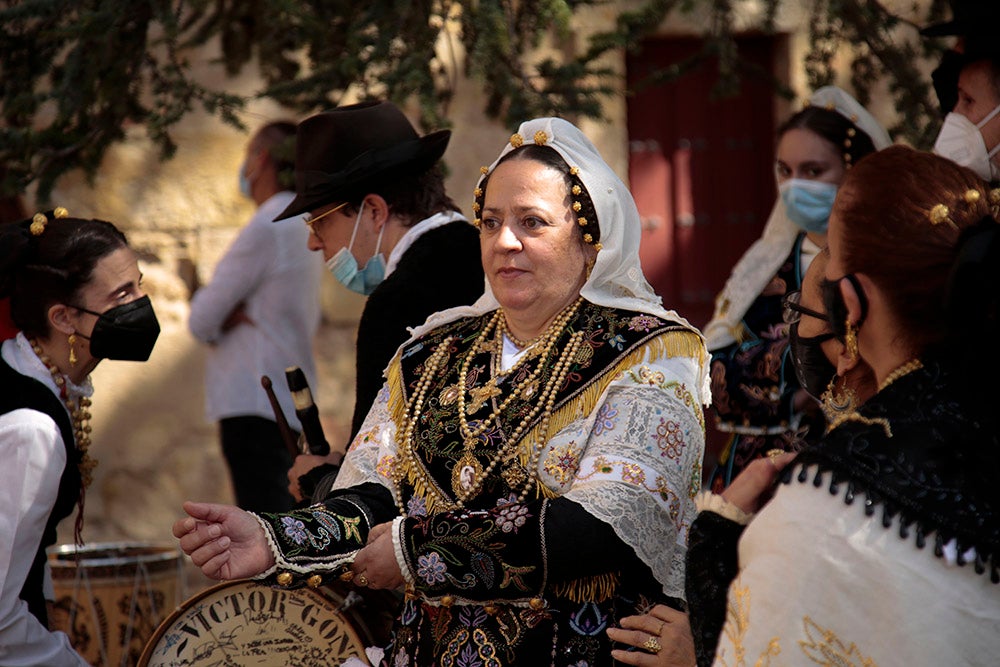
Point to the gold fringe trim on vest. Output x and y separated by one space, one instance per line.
588 589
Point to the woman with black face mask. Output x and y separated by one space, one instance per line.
712 545
75 297
882 543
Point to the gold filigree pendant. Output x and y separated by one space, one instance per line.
482 394
515 475
465 476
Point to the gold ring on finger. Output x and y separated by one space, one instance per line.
362 579
652 646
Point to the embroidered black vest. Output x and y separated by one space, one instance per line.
611 340
21 391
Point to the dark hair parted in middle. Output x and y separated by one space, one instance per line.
586 215
850 141
40 271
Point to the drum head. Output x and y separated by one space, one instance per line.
246 623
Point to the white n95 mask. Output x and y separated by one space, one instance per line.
962 142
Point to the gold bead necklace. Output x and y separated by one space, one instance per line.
509 452
549 338
78 412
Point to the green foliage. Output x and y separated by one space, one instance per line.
76 74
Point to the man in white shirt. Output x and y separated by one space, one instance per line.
258 315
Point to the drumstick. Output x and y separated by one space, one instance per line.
279 416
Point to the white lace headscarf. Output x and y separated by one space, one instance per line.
616 280
763 259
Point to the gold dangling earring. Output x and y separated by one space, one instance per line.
836 402
851 340
72 352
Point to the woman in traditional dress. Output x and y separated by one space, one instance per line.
539 450
882 545
712 545
75 298
756 397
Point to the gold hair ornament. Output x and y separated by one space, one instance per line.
940 213
40 220
516 140
38 223
541 138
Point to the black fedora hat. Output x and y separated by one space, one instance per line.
970 18
342 152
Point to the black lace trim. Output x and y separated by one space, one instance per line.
937 473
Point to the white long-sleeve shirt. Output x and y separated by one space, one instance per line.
33 457
270 270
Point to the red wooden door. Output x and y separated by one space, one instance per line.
701 170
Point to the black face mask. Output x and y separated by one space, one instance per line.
125 333
812 368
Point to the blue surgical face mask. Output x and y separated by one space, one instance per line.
344 267
244 181
808 203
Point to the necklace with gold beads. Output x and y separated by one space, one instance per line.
78 412
467 485
468 474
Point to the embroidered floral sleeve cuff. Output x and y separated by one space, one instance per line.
317 538
477 555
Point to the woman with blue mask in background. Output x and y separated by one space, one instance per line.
755 393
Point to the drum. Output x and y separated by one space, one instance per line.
109 597
247 623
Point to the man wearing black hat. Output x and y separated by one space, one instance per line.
375 201
967 83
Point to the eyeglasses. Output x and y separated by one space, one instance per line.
793 311
310 220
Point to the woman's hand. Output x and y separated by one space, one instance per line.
375 565
303 463
662 626
752 488
224 541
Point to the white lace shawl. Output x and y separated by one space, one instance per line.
634 462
